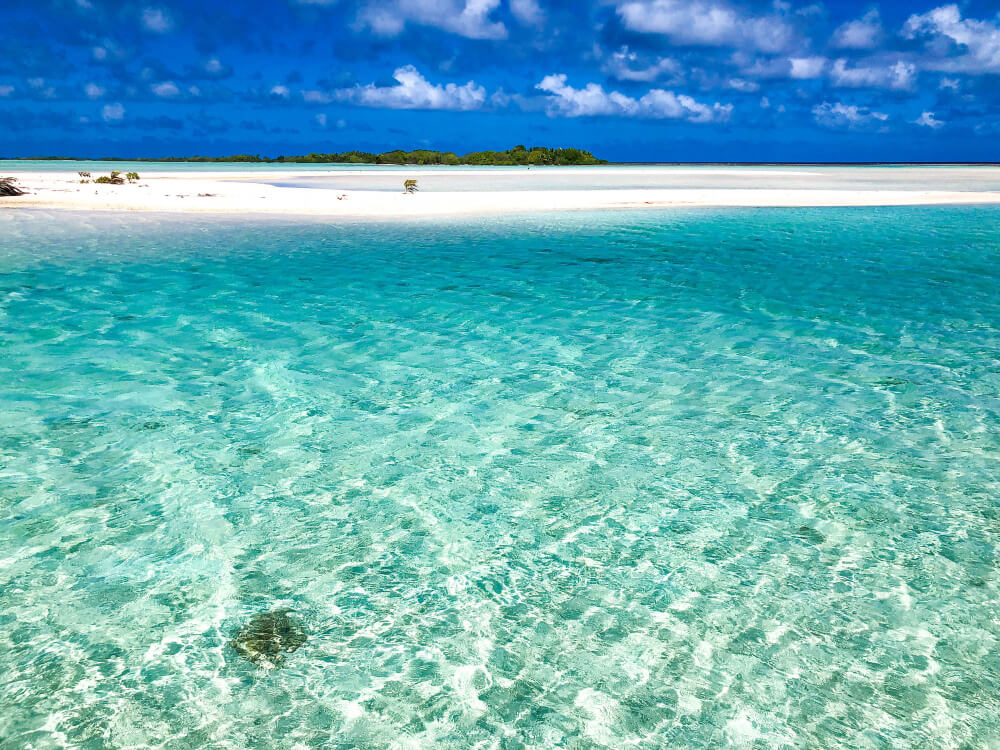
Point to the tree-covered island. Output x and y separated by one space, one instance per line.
517 156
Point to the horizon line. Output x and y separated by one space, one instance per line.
221 159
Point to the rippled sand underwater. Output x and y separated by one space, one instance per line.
670 479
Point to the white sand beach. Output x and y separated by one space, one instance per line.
251 192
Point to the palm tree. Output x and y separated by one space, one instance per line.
7 186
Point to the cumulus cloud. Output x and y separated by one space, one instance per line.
800 68
806 67
6 90
901 76
165 89
93 91
316 97
626 65
706 22
113 113
979 40
468 18
928 120
156 20
862 33
838 115
741 84
413 92
527 12
280 91
566 101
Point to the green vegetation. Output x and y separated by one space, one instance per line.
517 156
114 179
132 177
84 177
410 186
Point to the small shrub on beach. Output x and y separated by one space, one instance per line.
132 176
410 186
115 178
7 186
84 177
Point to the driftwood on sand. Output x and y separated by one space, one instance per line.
7 187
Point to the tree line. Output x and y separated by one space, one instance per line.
517 156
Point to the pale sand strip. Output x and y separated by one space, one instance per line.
235 193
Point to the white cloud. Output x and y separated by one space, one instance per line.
100 53
194 91
6 90
838 115
928 120
36 83
566 101
527 12
799 68
980 40
113 112
862 33
321 120
280 90
156 20
951 84
741 84
806 67
901 76
93 91
166 89
214 66
468 18
626 65
709 22
413 92
314 97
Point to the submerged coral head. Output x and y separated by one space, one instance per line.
268 638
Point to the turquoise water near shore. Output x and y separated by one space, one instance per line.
654 479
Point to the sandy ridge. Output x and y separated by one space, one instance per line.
236 192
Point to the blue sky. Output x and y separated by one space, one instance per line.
632 80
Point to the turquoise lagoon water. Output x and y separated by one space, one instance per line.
670 479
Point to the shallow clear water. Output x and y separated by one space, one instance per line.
679 480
